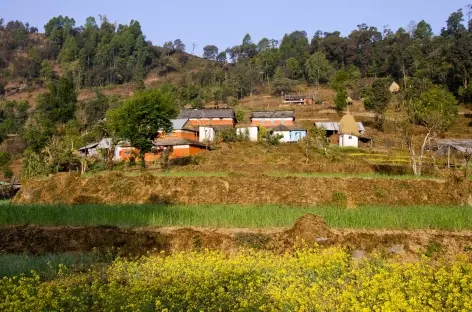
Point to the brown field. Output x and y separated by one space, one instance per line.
117 188
308 230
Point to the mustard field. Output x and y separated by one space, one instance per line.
246 280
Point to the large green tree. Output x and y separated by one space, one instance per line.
435 109
318 69
379 97
59 103
141 116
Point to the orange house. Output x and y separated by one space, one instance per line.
180 129
180 148
272 118
224 118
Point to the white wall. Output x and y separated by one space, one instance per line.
273 121
206 134
286 135
252 131
346 140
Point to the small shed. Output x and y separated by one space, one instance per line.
282 130
289 133
394 87
348 131
298 99
463 147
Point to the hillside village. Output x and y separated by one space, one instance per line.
195 129
325 171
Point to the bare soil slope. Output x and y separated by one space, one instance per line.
116 188
307 231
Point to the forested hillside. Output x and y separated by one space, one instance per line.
68 58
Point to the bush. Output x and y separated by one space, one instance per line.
7 173
4 159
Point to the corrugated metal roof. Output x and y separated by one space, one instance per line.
329 126
460 145
361 127
273 114
334 126
92 145
206 113
179 124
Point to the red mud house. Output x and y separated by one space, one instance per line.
183 139
209 117
272 118
209 121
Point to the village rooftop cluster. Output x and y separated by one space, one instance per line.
194 130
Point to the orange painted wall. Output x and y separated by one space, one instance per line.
176 153
268 123
127 153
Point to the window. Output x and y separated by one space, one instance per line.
350 137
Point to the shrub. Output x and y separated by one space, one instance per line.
339 198
4 158
7 173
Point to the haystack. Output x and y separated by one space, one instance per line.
394 88
348 125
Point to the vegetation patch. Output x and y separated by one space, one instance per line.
238 216
323 279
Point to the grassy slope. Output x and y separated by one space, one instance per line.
371 217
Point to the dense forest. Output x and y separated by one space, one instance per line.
97 54
68 58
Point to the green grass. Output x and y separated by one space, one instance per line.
47 266
369 217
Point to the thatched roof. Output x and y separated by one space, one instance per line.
394 87
348 125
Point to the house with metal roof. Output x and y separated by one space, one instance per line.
289 133
221 118
297 99
346 133
180 147
272 118
181 128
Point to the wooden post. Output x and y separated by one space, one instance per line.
449 157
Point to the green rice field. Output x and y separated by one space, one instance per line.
235 216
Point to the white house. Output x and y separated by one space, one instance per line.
250 131
348 131
206 134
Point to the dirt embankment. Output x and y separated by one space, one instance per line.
116 188
308 230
